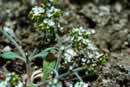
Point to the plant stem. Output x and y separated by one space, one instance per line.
28 70
63 75
78 76
19 48
74 70
60 52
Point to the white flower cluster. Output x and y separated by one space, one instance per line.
7 83
81 35
81 84
80 30
51 12
90 45
69 54
38 10
48 13
89 50
49 22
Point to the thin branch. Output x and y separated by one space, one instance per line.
78 76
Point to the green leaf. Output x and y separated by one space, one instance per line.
43 53
47 66
9 55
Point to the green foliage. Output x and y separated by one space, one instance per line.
102 60
47 68
43 53
12 80
9 55
13 55
80 36
82 49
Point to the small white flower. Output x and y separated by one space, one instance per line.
51 23
56 10
49 14
81 84
93 31
88 61
70 68
86 41
51 0
37 10
7 79
52 9
80 38
69 54
45 21
62 47
55 81
91 46
98 55
68 57
83 60
90 55
48 4
76 30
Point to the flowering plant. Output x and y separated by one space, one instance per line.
46 15
76 53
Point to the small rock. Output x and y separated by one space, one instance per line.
7 48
